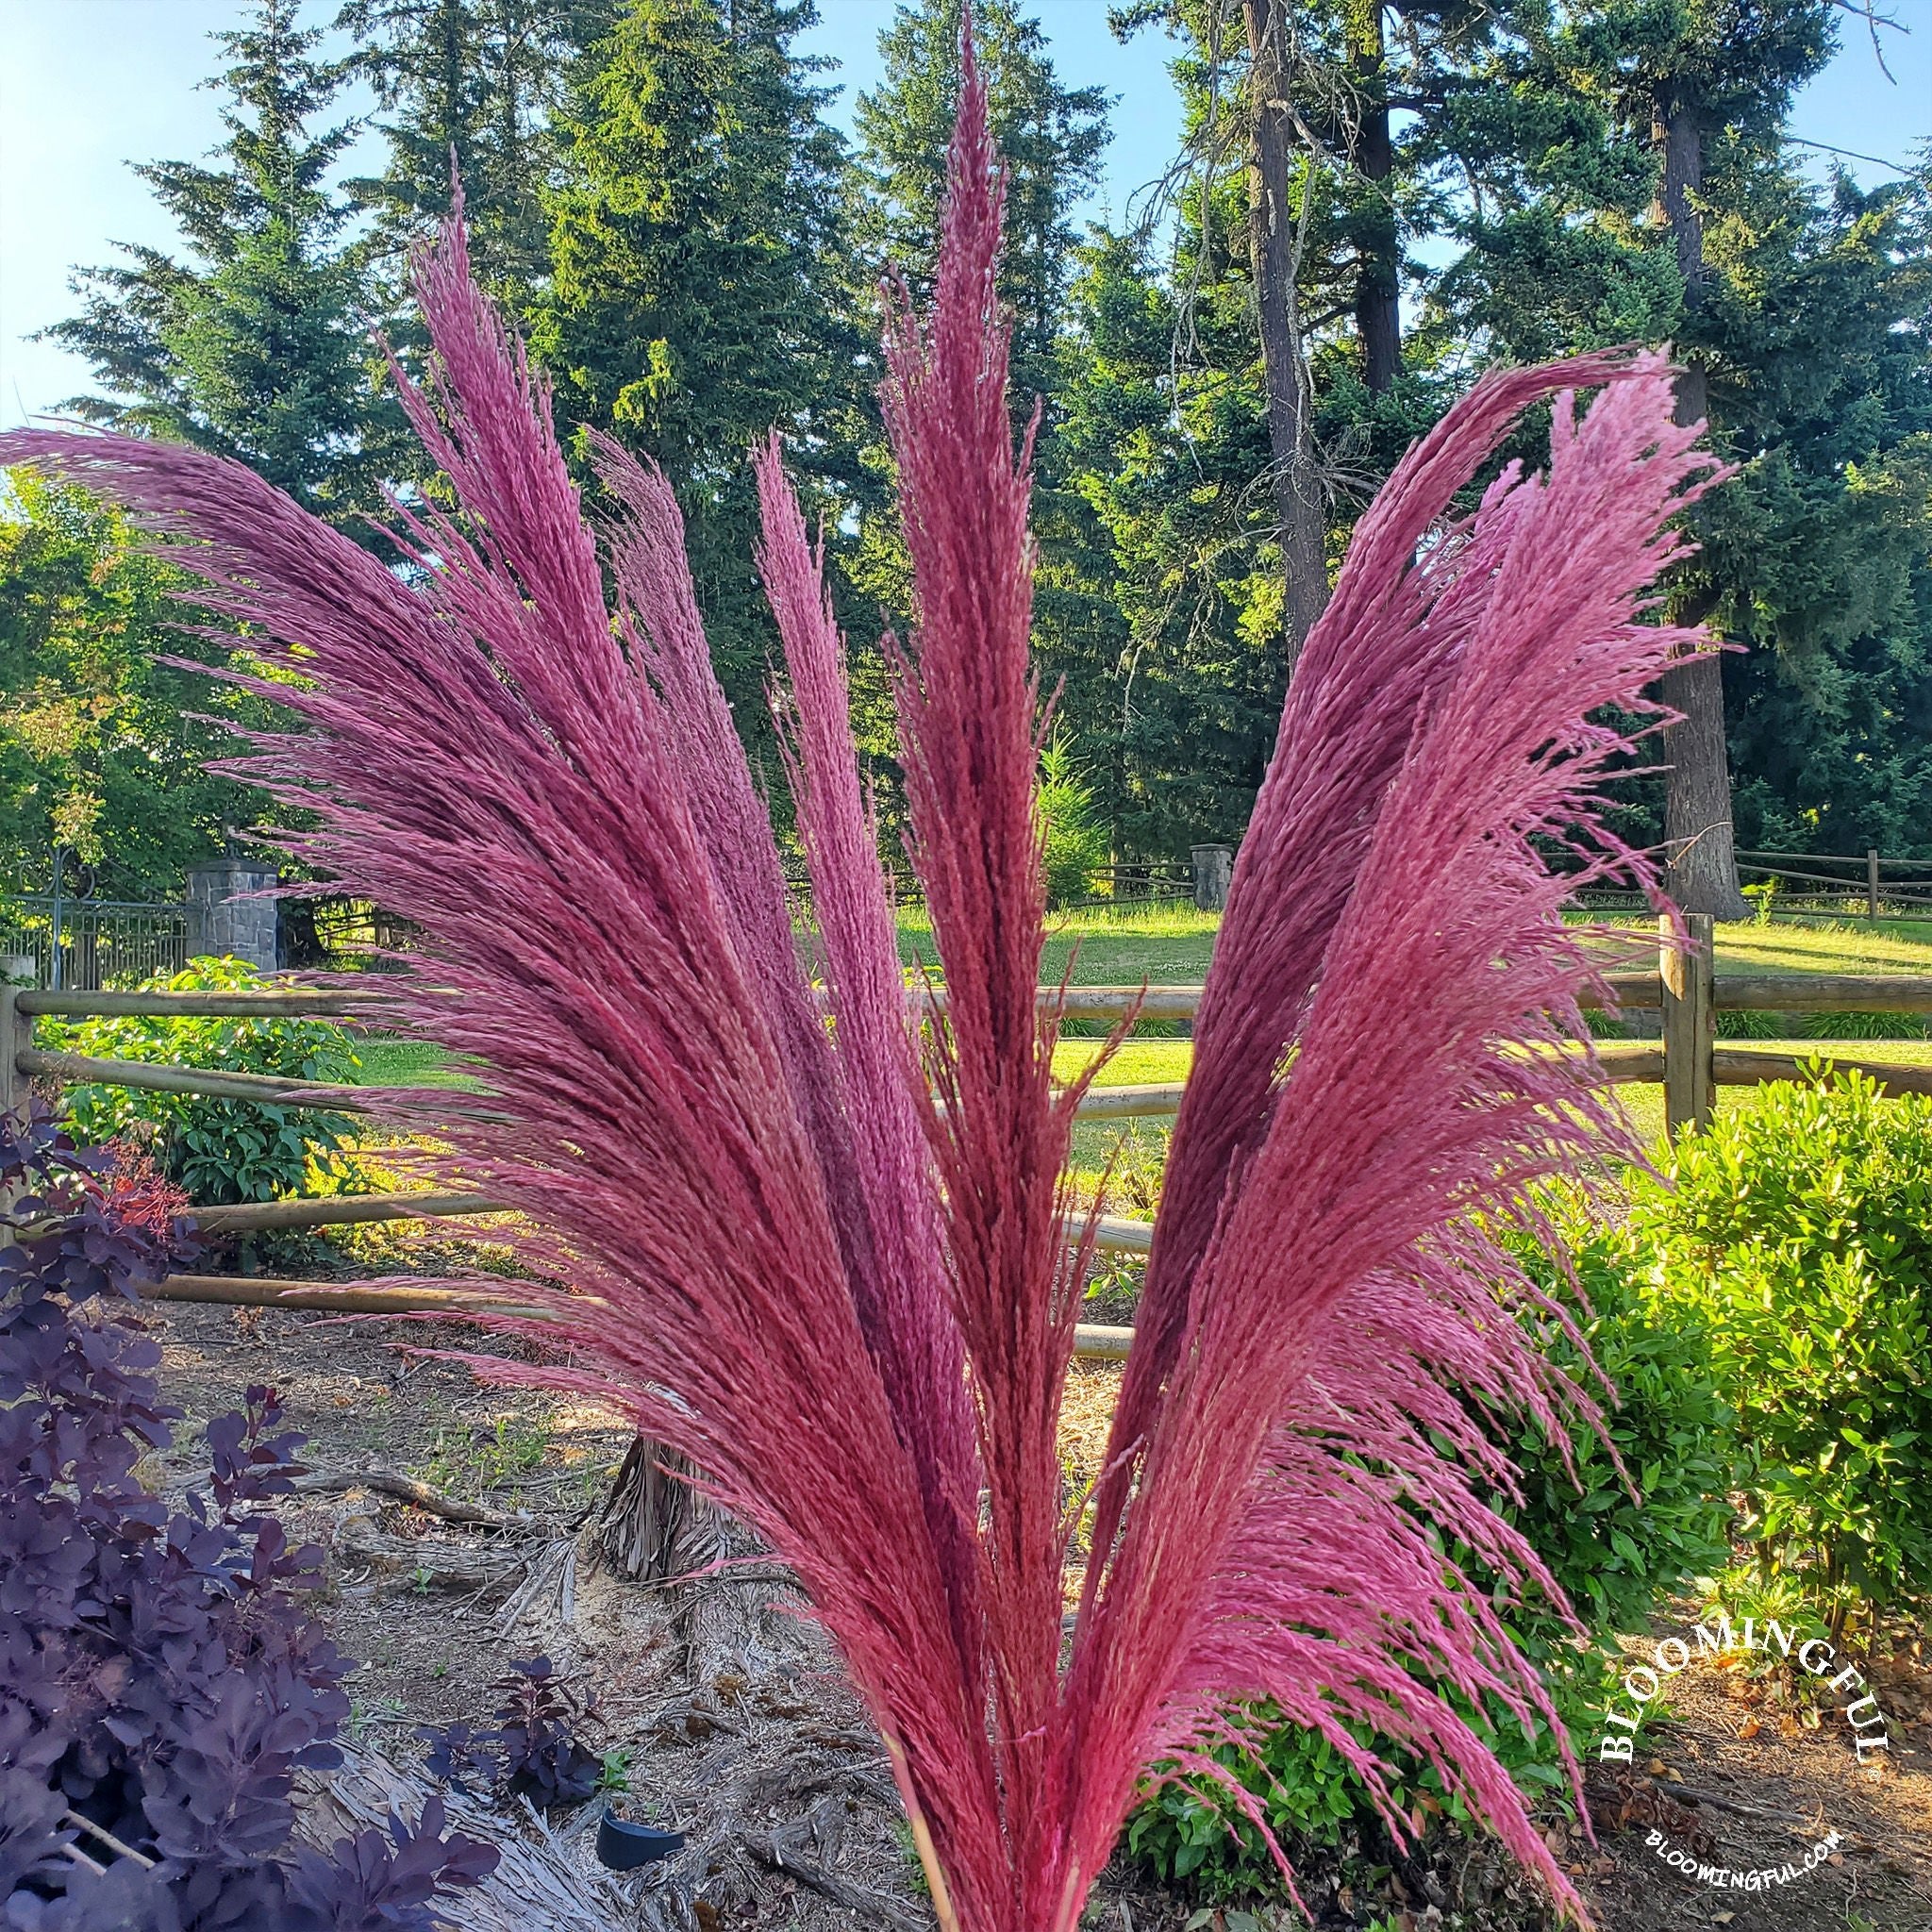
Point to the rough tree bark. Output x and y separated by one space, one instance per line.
1702 871
655 1526
1276 256
1378 271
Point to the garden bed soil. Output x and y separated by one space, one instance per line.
730 1712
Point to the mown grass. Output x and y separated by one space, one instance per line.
1171 945
389 1061
1806 945
1164 944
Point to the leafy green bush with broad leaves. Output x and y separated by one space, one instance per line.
1612 1553
219 1151
1797 1233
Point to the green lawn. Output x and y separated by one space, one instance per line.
1166 945
1808 945
1171 945
388 1061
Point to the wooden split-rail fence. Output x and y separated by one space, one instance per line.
1685 1058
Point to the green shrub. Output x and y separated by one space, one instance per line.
1864 1027
219 1150
1188 1832
1613 1555
1798 1234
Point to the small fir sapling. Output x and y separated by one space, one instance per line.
160 1681
820 1251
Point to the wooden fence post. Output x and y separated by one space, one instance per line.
1213 873
1871 882
17 976
1689 1000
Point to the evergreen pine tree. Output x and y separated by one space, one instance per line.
1589 221
1818 557
255 345
1170 454
1051 139
700 284
473 81
1705 71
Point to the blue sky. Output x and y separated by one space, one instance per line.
86 85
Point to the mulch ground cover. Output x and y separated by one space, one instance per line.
729 1712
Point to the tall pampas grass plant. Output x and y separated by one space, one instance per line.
817 1246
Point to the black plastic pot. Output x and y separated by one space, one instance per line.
623 1846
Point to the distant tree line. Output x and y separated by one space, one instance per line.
1371 203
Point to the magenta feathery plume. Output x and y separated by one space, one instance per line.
822 1252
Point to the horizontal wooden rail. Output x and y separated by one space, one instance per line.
1786 993
1092 1339
333 1297
1747 1067
1115 1002
339 1210
1851 885
1824 993
79 1068
1184 1002
1130 1103
1631 1062
1623 1062
1115 1234
185 1005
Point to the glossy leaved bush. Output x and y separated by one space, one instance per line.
1614 1540
1797 1233
160 1681
221 1151
1618 1540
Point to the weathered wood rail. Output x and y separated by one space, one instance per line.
1686 1059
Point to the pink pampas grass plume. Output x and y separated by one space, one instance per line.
823 1256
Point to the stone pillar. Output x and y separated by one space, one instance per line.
239 927
1213 873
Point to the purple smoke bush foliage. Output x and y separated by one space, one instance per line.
817 1244
161 1679
533 1751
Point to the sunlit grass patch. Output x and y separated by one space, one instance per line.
391 1060
1166 943
1135 1064
1790 945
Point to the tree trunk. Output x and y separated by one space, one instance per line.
1378 247
1276 256
1702 871
655 1526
